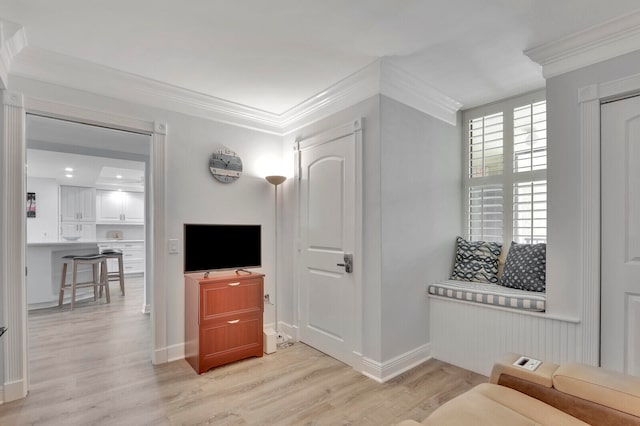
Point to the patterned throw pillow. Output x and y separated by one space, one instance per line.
476 261
526 267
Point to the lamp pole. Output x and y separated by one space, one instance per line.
276 180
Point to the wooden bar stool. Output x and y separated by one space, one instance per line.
98 264
115 275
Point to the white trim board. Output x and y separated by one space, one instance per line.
604 41
379 77
387 370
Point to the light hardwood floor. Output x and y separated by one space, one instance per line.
92 367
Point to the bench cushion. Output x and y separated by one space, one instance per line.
490 294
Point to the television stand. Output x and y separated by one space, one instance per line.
223 318
243 270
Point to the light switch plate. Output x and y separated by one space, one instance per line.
527 363
173 245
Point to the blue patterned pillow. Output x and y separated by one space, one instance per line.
476 261
525 267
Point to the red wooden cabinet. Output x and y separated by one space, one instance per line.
223 318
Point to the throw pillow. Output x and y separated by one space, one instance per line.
526 267
476 261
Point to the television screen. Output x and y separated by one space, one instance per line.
212 247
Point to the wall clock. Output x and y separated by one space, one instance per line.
225 166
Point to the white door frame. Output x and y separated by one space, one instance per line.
13 237
353 127
589 99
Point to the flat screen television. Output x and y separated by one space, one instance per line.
220 247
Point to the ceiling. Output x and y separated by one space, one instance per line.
272 55
75 154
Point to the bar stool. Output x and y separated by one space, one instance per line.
98 264
115 275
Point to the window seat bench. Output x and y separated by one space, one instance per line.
490 294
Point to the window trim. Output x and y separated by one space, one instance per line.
508 177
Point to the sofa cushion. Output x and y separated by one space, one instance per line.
489 404
476 261
609 388
525 267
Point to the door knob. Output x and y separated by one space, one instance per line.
348 263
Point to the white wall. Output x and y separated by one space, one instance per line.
421 216
564 262
43 227
192 195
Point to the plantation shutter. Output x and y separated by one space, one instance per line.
505 171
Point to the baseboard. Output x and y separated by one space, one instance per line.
1 395
14 390
175 352
146 308
160 356
382 372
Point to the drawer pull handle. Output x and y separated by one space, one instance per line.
233 321
233 284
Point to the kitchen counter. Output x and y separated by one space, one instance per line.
44 268
65 243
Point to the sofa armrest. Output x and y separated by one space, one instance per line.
543 375
611 389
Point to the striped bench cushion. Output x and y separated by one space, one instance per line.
490 294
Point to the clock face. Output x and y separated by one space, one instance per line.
225 166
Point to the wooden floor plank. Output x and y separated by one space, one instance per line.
92 366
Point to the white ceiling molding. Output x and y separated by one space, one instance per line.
380 77
408 89
355 88
596 44
12 40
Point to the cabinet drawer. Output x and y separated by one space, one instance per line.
224 298
223 341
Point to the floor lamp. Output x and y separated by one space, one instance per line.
275 181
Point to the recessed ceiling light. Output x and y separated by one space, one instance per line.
118 176
68 169
69 175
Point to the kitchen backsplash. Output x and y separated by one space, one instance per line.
128 232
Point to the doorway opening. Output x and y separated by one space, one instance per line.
85 195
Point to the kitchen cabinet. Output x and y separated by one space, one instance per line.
120 207
77 204
78 230
132 256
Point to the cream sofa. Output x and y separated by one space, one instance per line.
570 394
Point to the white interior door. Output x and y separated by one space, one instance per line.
620 280
329 295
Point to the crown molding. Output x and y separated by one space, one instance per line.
47 66
604 41
398 84
351 90
12 40
379 77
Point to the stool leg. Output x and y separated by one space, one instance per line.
62 283
121 274
94 269
105 280
73 283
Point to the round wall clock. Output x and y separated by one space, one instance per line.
225 166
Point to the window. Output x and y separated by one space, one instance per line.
505 171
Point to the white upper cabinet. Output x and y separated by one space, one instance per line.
77 204
120 207
134 207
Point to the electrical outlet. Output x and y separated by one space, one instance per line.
267 298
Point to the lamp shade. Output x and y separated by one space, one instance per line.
275 180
